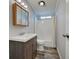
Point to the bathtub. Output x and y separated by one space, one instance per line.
42 43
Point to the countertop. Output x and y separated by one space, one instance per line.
22 38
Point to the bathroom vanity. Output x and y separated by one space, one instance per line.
23 47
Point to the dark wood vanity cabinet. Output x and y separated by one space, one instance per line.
23 50
16 50
34 49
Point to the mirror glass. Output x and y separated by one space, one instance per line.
22 16
18 15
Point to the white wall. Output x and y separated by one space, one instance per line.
61 27
45 30
17 29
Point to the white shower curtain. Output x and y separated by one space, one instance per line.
45 30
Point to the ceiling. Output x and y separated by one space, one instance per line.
47 10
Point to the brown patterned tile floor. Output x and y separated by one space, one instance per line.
48 54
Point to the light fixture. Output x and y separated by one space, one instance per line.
19 0
45 17
25 6
22 3
41 3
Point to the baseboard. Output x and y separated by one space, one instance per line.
59 53
49 47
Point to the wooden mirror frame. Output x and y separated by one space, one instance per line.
14 8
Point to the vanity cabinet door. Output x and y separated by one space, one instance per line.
12 54
34 45
19 50
28 50
16 50
31 48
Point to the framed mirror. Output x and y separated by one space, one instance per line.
20 15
